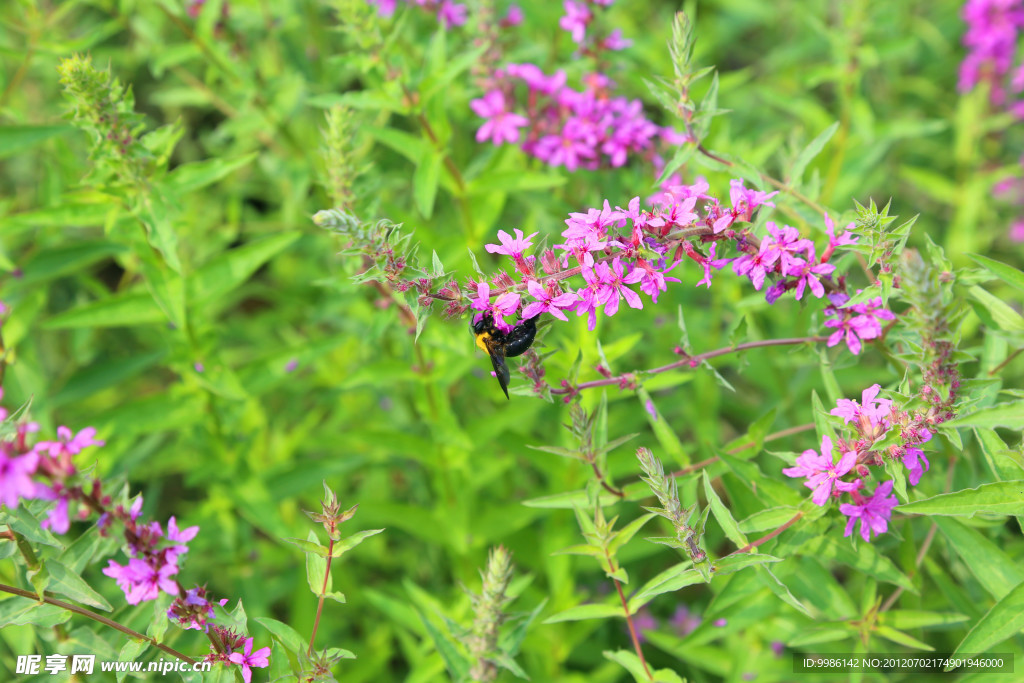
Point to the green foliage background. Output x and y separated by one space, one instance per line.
418 434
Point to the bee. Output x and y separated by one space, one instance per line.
501 345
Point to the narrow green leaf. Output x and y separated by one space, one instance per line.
998 498
996 571
120 310
1007 274
583 612
349 542
230 269
796 171
425 181
1003 621
198 174
50 263
14 139
1009 415
65 582
722 514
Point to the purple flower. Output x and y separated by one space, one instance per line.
822 474
577 17
616 282
785 244
808 273
501 125
291 365
509 246
844 239
644 621
259 659
854 323
870 412
506 304
16 477
745 200
451 14
756 266
912 461
547 302
590 296
140 581
683 622
873 512
384 7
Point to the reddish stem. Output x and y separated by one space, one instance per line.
632 629
323 591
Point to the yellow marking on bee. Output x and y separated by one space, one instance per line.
481 340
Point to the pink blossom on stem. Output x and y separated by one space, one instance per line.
873 512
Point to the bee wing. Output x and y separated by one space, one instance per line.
500 368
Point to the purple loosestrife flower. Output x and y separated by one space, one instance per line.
16 477
745 200
247 659
785 244
912 459
577 17
547 301
590 296
509 246
822 474
616 281
502 125
141 581
808 274
993 27
757 266
855 323
871 414
506 304
451 14
873 512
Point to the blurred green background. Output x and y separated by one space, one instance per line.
307 377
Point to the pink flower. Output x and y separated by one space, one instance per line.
577 16
615 282
873 512
259 659
821 473
509 246
501 125
871 411
16 477
547 302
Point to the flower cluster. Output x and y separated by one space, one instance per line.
43 470
993 27
561 126
447 12
155 553
870 424
578 20
238 650
613 250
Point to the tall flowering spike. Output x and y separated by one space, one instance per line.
666 490
873 512
488 608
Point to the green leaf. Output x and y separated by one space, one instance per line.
623 535
14 139
1009 415
781 591
18 611
230 269
722 514
285 634
996 571
316 568
1003 621
1007 274
198 174
120 310
584 612
64 581
631 663
998 498
50 263
411 147
569 499
425 181
1003 316
349 542
796 171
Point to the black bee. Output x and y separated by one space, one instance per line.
501 345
